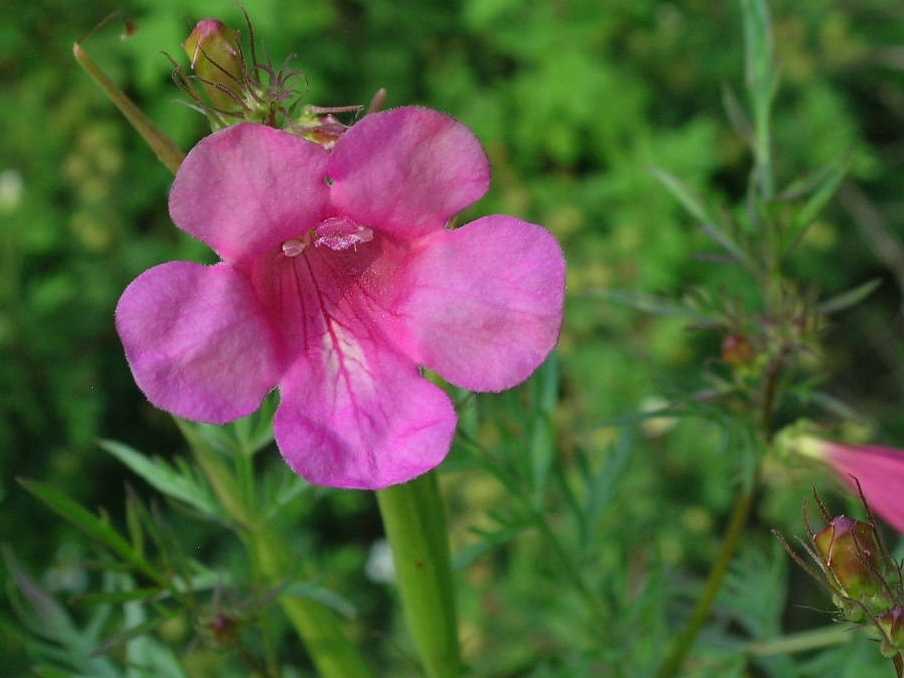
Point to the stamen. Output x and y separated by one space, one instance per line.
292 248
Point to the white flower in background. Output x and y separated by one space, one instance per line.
379 566
11 186
654 427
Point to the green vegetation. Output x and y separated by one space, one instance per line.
586 507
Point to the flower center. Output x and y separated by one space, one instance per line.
335 233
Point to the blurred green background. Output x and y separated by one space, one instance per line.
574 101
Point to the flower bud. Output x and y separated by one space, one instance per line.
849 550
320 125
736 350
892 626
216 58
223 629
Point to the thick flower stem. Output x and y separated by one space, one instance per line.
415 524
685 642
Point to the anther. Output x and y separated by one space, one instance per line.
292 248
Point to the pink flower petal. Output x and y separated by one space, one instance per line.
355 414
407 171
339 279
880 472
354 284
197 341
248 188
486 300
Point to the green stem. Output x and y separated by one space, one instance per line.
319 626
683 643
801 642
164 147
740 513
415 524
763 150
222 480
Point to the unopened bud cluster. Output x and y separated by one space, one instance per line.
850 557
866 583
229 87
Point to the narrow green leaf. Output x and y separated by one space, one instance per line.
736 115
542 448
805 185
133 520
761 85
758 48
698 210
127 635
49 671
683 194
56 638
324 596
118 597
163 477
164 148
602 487
290 488
834 406
36 608
139 654
150 657
219 473
656 305
850 298
205 580
99 617
259 431
815 204
319 627
88 523
490 542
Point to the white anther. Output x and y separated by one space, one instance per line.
292 248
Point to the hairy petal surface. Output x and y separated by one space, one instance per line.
355 413
246 189
880 472
407 171
197 341
484 306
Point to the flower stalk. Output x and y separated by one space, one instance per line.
685 642
415 524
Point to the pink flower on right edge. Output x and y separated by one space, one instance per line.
879 470
338 279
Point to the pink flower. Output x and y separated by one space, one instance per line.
879 470
338 279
